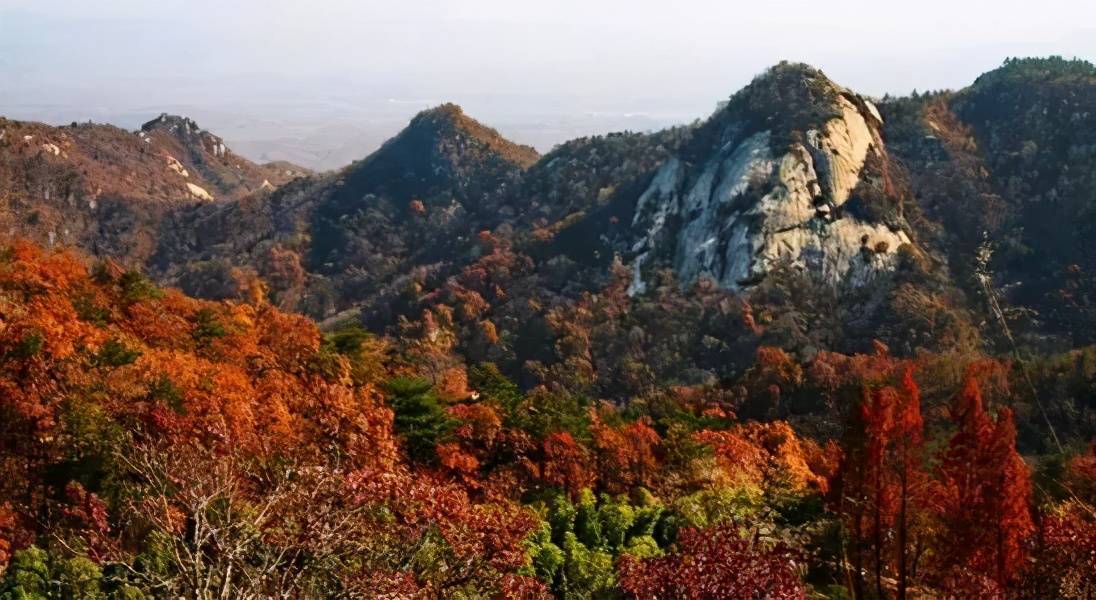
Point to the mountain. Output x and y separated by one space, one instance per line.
805 188
227 173
787 198
335 240
444 167
1005 168
105 190
788 188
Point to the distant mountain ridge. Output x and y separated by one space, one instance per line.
105 189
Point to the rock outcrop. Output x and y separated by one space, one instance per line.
199 192
754 204
192 151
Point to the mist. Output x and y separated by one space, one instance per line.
325 84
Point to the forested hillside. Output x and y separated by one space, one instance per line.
156 445
816 345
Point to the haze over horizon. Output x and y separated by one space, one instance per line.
348 75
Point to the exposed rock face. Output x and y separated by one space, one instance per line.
746 210
841 147
193 151
199 192
185 129
175 165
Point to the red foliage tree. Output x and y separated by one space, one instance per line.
566 463
984 496
1071 538
715 563
482 542
774 373
1066 555
881 484
8 520
1082 474
86 515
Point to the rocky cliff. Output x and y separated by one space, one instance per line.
772 191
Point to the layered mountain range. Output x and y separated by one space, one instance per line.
846 214
815 345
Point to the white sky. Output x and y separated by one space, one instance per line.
502 59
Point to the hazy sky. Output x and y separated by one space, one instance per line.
543 69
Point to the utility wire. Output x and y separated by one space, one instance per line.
983 274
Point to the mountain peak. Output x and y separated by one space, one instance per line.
779 177
790 71
445 163
788 100
440 150
449 110
789 95
177 124
187 131
450 121
1051 69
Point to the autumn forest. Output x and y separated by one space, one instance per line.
459 369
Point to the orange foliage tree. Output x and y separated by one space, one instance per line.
566 463
626 456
